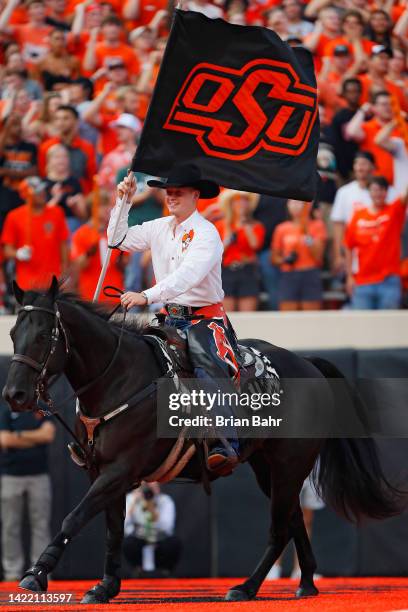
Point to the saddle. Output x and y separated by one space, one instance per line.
253 363
175 342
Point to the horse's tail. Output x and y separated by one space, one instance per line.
350 477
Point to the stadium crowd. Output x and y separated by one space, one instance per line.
76 80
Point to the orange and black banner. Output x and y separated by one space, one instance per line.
239 103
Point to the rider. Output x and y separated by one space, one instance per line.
186 254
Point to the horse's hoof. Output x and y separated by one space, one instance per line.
30 583
97 595
307 591
237 594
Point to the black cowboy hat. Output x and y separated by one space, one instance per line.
188 175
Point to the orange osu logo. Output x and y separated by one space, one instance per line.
235 113
186 240
224 349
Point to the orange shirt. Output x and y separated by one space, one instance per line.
318 53
396 12
376 239
383 160
144 99
19 16
329 97
44 232
392 88
213 203
256 12
77 44
84 153
240 250
103 53
108 138
84 239
342 40
33 42
289 237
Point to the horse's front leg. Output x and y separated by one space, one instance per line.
106 489
109 586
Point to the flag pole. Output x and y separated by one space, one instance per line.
114 240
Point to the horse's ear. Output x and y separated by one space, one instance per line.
18 293
54 288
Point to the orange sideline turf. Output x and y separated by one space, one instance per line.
207 594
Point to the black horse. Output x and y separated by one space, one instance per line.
56 332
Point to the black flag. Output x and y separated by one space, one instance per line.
239 103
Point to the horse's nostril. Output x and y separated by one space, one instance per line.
20 397
15 395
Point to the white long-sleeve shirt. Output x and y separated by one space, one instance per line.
186 257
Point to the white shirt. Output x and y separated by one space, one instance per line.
186 257
209 10
350 197
300 28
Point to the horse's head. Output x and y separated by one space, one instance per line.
40 347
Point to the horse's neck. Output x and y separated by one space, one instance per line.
92 345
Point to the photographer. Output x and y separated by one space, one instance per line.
242 237
150 545
298 247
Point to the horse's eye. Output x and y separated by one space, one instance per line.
41 337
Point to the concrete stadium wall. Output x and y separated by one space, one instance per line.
226 534
304 330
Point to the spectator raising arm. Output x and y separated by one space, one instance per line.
131 9
77 26
91 114
312 9
401 28
89 63
353 129
145 81
6 14
157 21
383 138
313 39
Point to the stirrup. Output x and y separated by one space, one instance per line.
77 454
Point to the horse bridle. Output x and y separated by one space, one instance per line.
42 381
42 368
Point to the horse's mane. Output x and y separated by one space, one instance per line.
134 323
95 308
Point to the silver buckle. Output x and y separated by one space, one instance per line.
176 311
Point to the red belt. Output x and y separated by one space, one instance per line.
212 311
